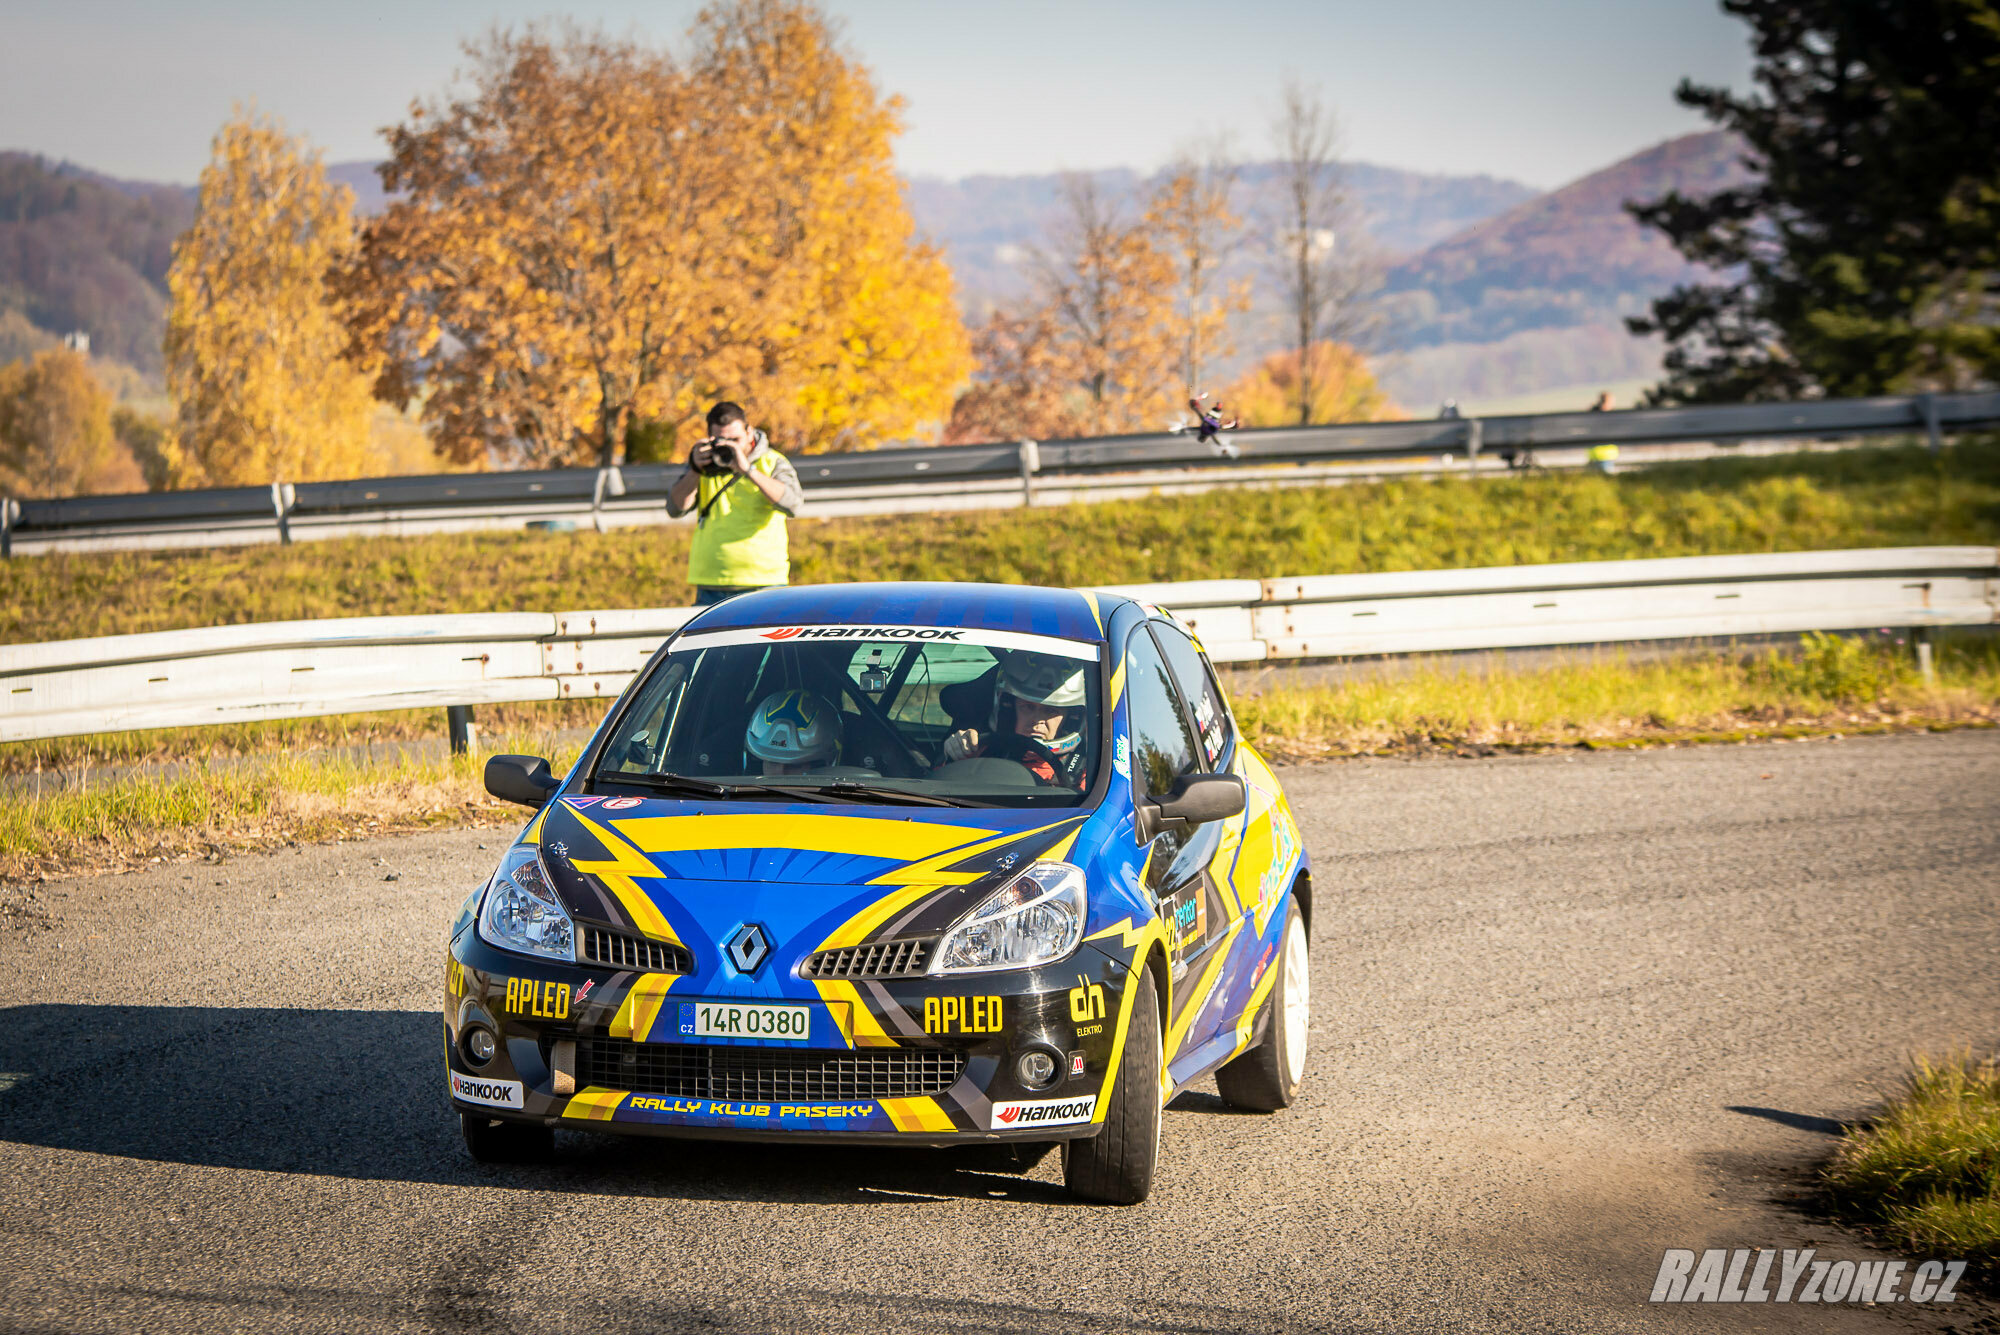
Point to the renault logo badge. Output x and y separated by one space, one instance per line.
748 947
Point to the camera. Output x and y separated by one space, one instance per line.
721 458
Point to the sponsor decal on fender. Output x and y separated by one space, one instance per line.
492 1093
1043 1112
1086 1003
544 1001
961 1015
454 976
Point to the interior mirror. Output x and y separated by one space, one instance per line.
1196 799
523 779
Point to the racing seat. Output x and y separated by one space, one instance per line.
970 703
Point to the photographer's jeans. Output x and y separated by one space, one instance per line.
708 595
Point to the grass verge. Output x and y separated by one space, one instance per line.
1924 1176
209 806
1878 497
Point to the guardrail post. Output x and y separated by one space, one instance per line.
10 510
610 482
283 497
1931 427
1031 464
1920 636
1475 436
458 723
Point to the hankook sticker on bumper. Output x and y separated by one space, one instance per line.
1043 1112
492 1093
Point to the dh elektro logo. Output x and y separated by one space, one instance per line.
1043 1112
1763 1275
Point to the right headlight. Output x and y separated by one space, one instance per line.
521 911
1036 918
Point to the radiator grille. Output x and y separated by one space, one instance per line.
693 1071
884 959
619 951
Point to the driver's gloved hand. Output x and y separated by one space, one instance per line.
961 744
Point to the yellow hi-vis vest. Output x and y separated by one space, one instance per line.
741 538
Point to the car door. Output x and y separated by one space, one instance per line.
1165 746
1215 734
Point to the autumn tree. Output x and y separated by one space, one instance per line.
1314 255
1097 348
1343 389
260 390
55 427
594 240
1192 220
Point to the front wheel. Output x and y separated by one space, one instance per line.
1266 1078
491 1140
1116 1165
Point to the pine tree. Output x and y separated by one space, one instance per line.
1866 258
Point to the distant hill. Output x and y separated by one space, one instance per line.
79 251
986 223
1570 257
1533 299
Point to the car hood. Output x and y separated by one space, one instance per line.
815 879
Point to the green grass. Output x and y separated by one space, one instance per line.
1857 498
1924 1176
1830 684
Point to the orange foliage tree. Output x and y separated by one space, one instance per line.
1338 385
254 367
55 429
595 240
1096 350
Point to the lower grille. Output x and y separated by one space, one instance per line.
884 959
620 951
693 1071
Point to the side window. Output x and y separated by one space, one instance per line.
1162 747
1197 683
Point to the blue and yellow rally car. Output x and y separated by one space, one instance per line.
913 863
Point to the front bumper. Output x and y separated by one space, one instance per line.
917 1062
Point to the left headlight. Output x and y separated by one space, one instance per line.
521 911
1037 918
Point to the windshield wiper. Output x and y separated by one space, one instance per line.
870 792
673 783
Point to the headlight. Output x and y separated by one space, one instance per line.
1037 918
521 912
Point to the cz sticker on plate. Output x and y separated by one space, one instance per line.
734 1019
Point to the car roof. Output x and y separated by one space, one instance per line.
1028 609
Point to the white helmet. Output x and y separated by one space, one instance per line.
1044 680
793 727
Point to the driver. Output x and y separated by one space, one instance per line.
792 732
1047 697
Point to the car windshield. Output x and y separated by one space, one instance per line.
895 715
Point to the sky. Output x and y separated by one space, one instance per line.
1539 91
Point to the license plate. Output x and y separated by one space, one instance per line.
731 1019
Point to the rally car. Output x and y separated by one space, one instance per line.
916 863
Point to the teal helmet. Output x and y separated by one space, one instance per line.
793 728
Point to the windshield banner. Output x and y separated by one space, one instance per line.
986 639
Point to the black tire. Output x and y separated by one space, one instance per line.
1116 1165
1267 1077
490 1140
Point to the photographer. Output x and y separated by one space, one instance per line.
744 491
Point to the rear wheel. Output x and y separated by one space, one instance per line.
1116 1165
1266 1078
491 1140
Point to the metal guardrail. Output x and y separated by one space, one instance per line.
299 669
939 477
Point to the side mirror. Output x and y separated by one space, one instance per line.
1195 799
523 779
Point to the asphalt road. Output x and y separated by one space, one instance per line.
1570 1011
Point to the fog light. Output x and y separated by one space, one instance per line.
1036 1069
479 1045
